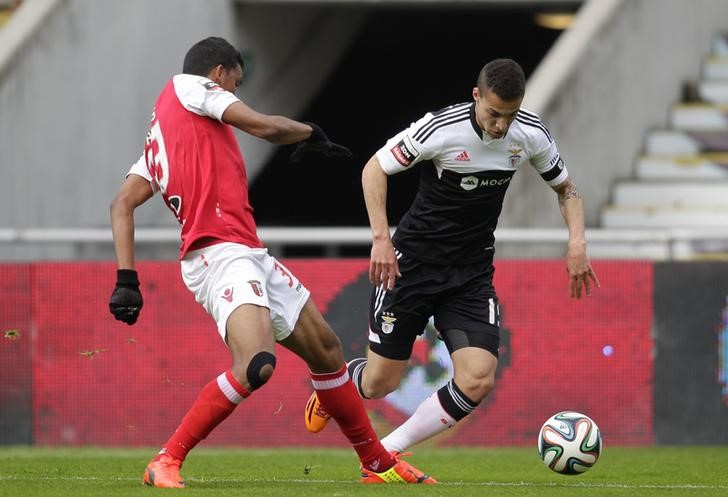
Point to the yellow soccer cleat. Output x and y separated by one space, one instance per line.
163 472
315 416
401 472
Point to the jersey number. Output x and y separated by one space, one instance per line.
157 163
158 167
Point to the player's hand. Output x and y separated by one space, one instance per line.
383 267
581 274
126 300
320 143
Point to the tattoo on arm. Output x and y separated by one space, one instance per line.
567 190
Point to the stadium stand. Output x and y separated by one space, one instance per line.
681 180
599 122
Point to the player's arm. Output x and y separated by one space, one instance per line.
282 130
134 191
580 271
383 266
126 300
275 129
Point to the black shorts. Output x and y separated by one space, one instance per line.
459 297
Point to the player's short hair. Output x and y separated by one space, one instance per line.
504 77
207 54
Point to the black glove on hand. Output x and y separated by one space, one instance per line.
126 300
319 142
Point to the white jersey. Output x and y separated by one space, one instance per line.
460 196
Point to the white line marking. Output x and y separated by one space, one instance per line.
677 486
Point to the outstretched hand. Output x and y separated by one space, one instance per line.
320 143
581 275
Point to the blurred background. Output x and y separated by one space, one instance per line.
635 92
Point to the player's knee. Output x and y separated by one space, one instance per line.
260 369
476 387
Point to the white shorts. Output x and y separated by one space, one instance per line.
226 275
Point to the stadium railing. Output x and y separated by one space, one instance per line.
650 244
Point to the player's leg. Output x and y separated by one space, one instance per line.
243 319
473 379
384 376
300 327
468 321
396 318
251 344
314 341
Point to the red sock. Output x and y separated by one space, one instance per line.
215 402
339 397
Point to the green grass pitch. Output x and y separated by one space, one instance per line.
463 472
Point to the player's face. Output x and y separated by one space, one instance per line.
494 115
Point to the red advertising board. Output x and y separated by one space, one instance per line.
101 382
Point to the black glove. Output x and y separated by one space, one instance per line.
126 300
319 142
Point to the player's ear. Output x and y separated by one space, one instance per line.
476 93
216 73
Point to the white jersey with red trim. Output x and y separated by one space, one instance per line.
194 160
461 191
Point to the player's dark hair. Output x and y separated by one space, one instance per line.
207 54
504 77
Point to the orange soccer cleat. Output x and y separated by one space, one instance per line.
315 416
401 472
163 472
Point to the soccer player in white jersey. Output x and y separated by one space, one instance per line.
440 260
192 158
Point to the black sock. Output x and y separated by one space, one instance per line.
455 402
355 367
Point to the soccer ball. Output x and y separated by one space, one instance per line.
569 443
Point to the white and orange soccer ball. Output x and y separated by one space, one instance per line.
569 443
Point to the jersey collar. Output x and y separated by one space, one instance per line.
474 122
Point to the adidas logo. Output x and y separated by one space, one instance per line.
463 156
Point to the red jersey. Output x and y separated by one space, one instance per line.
194 160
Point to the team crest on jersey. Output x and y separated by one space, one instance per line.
515 150
388 320
257 287
405 152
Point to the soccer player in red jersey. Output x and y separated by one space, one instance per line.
192 158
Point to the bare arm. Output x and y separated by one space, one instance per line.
275 129
580 271
134 191
383 266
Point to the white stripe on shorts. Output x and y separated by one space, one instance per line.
491 311
379 300
229 391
